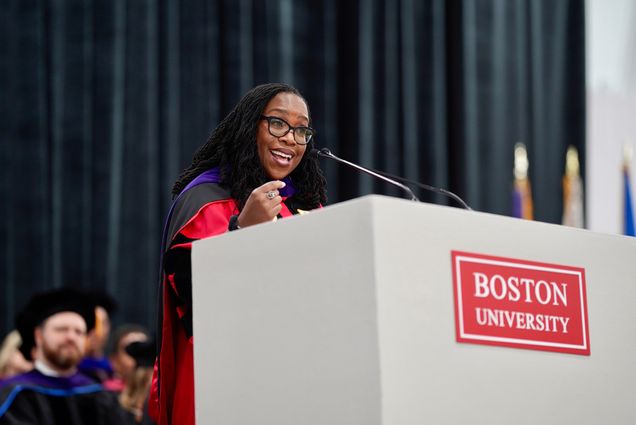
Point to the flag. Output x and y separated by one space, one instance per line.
628 211
572 191
522 192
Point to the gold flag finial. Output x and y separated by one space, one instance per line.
572 162
628 154
521 161
573 211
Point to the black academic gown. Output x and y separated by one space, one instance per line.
37 399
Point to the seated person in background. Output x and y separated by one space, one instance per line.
95 363
122 363
134 397
12 362
53 326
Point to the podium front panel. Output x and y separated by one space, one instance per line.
346 316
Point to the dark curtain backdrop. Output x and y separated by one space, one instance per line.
104 102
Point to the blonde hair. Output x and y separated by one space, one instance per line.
10 344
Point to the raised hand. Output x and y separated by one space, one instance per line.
263 204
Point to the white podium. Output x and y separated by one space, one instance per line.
347 316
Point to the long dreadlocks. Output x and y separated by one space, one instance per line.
232 148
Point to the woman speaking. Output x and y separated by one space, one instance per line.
254 168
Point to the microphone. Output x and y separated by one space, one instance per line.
444 192
326 153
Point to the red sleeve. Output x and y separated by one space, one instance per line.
210 220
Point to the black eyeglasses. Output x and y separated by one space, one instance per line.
278 127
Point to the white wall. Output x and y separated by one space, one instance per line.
611 107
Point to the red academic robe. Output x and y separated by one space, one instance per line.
201 212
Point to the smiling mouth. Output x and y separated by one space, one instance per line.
281 157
